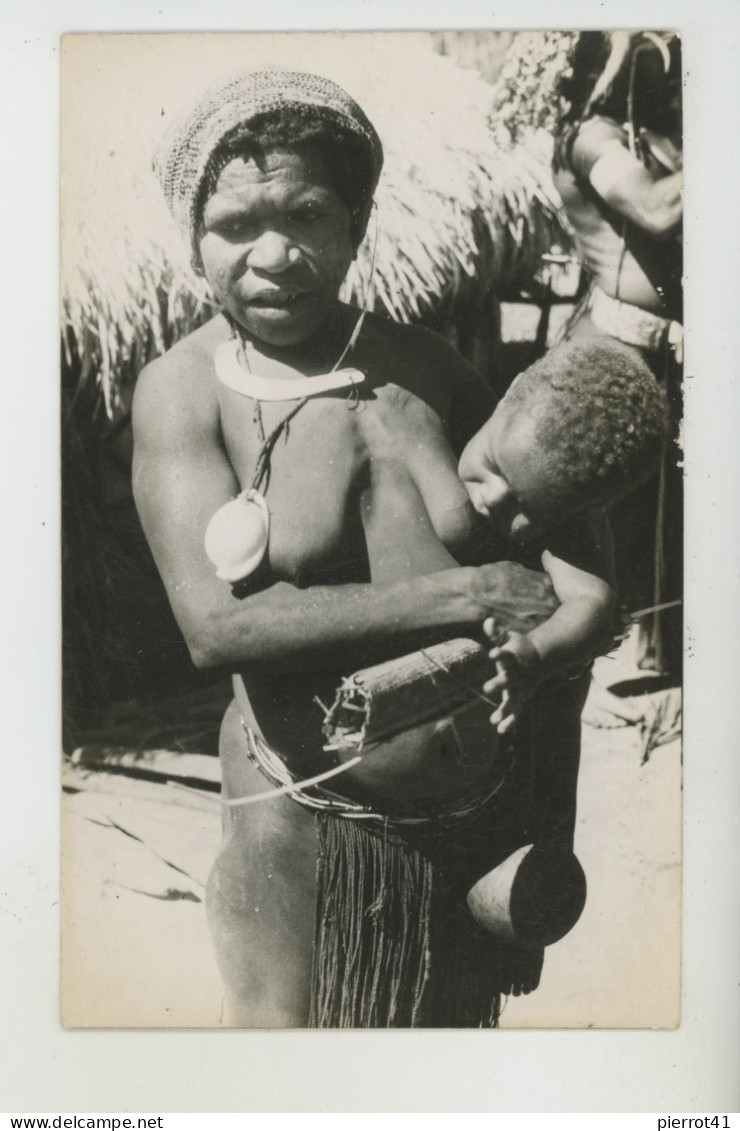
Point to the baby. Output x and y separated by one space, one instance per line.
576 431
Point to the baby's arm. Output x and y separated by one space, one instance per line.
579 629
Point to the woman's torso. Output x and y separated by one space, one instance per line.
360 491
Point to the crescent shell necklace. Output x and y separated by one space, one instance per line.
237 535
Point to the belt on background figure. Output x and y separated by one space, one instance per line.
634 326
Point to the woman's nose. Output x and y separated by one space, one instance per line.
272 252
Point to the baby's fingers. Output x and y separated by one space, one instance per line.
502 719
502 712
505 660
506 724
500 680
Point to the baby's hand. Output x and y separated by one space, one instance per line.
518 671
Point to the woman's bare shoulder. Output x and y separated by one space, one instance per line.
406 337
190 356
424 364
182 380
410 350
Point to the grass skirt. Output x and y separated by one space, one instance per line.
395 945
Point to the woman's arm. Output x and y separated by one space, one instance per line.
182 475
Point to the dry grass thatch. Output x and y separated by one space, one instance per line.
525 95
454 205
481 51
128 291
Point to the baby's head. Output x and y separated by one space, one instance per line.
577 430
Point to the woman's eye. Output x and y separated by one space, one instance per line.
305 216
230 226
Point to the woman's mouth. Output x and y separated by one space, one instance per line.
278 300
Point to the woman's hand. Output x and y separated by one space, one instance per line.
518 673
513 597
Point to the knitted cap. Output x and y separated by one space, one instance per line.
182 157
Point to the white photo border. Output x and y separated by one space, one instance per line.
48 1069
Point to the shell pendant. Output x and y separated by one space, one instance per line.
236 537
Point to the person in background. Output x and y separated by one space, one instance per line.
618 167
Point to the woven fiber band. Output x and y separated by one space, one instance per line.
631 325
182 157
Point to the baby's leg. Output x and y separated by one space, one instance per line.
261 897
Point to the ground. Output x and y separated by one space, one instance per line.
136 951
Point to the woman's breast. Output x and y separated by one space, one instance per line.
414 509
370 521
309 486
371 494
446 501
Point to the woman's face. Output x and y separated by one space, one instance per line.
275 244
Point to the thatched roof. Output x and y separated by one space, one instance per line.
525 96
453 203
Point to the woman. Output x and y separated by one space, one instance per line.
340 432
618 167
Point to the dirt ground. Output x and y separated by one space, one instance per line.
136 950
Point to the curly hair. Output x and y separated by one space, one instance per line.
347 156
600 416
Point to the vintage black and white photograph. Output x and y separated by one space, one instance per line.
372 529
